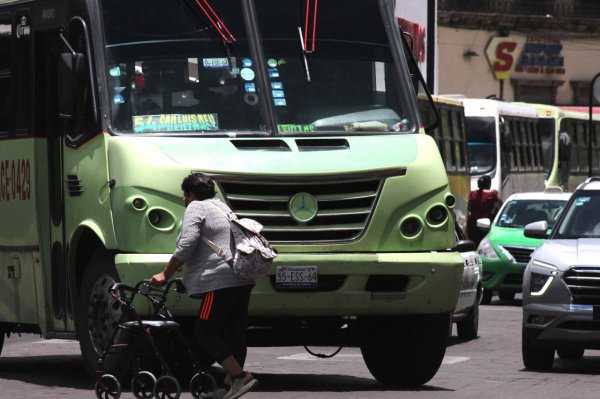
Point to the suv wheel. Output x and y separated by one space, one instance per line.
535 357
506 295
467 328
570 353
486 297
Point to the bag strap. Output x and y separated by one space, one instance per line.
219 251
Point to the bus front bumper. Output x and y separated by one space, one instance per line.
350 284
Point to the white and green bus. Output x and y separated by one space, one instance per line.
106 105
570 129
450 137
504 142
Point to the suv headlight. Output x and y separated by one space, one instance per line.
486 249
541 279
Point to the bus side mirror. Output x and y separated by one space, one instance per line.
71 75
564 147
465 246
507 140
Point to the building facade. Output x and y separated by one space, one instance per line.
544 51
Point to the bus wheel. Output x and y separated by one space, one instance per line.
404 351
2 335
96 314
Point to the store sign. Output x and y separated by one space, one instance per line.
501 53
541 56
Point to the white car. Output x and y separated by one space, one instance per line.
466 313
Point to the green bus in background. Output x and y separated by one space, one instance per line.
569 130
106 105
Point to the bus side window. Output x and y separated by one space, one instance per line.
5 74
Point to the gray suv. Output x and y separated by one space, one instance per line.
561 284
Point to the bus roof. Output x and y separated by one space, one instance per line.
559 112
489 107
448 99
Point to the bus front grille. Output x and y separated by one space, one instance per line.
343 207
584 284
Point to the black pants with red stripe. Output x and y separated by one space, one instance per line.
221 323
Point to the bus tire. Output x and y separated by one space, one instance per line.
96 313
2 335
404 351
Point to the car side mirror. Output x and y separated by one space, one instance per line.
465 246
484 224
537 230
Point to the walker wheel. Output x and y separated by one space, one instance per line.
202 385
108 387
167 387
142 385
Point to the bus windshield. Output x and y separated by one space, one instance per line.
188 66
481 144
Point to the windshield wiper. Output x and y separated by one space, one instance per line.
304 39
304 55
216 21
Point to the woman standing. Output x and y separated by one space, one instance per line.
483 203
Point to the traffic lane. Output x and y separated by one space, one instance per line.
487 367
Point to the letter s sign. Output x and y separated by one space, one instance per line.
500 53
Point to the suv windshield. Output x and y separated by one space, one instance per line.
582 217
170 68
518 213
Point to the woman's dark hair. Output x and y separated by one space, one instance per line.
201 185
484 183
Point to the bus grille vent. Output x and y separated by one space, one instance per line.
343 207
74 186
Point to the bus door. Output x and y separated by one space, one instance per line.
48 125
19 244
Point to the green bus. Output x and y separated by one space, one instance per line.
106 105
570 132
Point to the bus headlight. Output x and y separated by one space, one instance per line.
486 249
437 215
411 227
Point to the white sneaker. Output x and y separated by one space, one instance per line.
240 386
219 393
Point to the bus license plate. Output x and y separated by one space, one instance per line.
298 277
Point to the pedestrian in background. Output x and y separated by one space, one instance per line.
483 203
223 312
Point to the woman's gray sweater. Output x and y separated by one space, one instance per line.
205 270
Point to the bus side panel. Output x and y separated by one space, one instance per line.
19 234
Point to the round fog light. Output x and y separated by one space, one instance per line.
411 227
139 203
154 218
437 215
